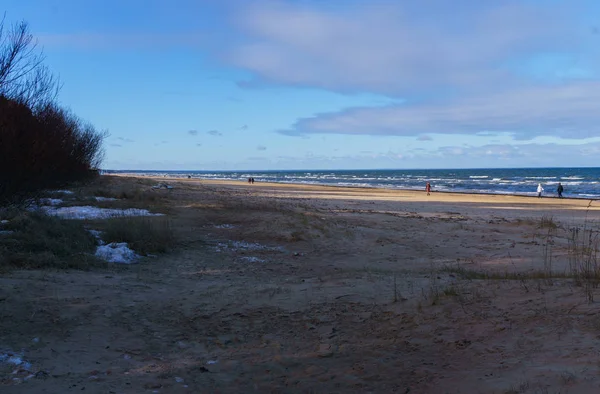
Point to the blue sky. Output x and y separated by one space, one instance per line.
301 84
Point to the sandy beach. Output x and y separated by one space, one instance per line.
292 288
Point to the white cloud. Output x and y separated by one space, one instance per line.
566 111
460 67
396 48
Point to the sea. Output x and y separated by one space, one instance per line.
581 183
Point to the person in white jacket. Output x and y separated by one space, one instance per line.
540 190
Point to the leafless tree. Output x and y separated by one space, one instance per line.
23 76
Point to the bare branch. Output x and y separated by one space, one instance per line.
23 76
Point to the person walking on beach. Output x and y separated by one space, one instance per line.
560 190
540 190
428 188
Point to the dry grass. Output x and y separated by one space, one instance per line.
145 235
42 241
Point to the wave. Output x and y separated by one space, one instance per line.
478 176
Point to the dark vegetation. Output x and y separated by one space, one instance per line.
41 144
145 235
38 240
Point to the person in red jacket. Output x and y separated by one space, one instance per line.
428 188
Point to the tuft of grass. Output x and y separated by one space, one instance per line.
145 235
584 265
547 222
42 241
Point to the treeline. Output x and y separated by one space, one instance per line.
41 144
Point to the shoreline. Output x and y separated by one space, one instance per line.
457 195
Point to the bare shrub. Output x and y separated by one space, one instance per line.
41 145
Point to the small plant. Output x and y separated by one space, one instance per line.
583 245
548 222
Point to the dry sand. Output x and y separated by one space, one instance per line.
309 289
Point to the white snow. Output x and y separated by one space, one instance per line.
62 191
14 359
226 226
51 201
252 259
3 221
89 212
97 234
242 245
105 199
116 253
235 245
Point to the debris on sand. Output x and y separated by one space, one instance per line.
89 212
116 253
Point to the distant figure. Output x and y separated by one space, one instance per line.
189 177
540 190
249 180
252 180
428 188
560 190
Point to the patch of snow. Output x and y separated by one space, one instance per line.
245 245
226 226
62 191
15 359
252 259
116 253
97 234
3 221
210 362
162 185
105 199
51 201
89 212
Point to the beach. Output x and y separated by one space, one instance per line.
303 288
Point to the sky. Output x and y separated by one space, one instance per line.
338 84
